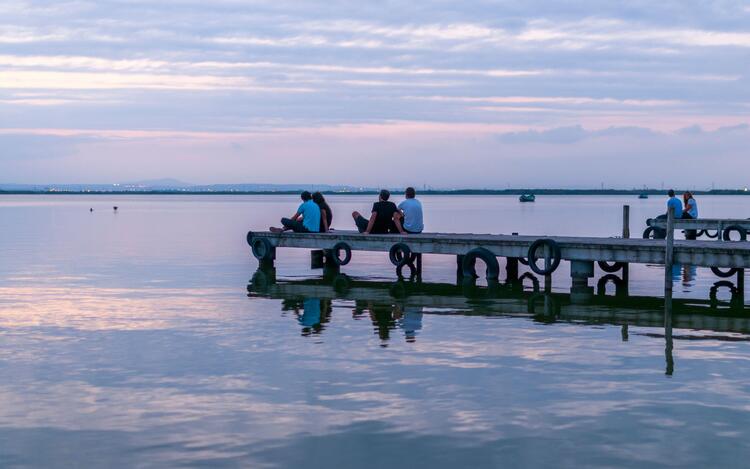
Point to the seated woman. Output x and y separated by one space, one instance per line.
326 215
689 212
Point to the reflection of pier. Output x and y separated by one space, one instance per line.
402 304
440 298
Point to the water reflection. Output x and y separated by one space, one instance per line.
403 305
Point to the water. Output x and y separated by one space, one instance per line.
129 339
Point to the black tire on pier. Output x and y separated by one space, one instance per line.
337 248
262 249
724 273
728 231
601 285
400 254
555 256
610 268
490 260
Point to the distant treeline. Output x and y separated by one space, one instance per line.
424 192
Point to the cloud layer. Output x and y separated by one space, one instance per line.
227 91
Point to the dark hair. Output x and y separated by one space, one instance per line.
410 193
671 193
306 196
318 198
321 201
385 195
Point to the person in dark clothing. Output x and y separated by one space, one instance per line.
326 215
385 217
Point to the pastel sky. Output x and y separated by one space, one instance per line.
383 92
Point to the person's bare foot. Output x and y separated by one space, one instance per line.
273 229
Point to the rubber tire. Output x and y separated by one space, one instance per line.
347 253
406 254
249 238
601 285
715 288
724 273
487 256
523 261
555 255
610 268
261 248
728 230
530 276
709 236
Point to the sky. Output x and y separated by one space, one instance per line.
482 94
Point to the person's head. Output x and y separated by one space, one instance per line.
671 193
384 195
410 193
318 198
687 195
306 196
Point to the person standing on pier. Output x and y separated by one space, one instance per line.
411 209
305 220
384 217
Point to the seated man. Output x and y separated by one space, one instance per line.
385 217
306 220
411 209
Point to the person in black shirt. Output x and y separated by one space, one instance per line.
326 215
385 217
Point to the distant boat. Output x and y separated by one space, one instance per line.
643 196
527 198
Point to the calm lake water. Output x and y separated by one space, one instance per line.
135 339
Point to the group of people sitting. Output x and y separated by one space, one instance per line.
688 211
314 215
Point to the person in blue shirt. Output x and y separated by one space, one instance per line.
411 209
305 220
674 202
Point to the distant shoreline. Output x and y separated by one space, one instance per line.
631 192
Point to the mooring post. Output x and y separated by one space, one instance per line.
626 235
668 341
511 270
419 266
741 286
669 254
547 264
317 259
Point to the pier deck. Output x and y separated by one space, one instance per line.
724 254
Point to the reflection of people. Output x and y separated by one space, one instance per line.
411 322
384 217
305 220
411 208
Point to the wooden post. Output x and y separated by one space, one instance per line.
626 221
669 253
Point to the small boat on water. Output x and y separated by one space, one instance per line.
643 196
527 198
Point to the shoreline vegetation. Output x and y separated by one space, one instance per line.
631 192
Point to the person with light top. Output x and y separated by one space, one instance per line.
690 212
411 209
305 220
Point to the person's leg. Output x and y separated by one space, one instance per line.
360 221
293 225
689 234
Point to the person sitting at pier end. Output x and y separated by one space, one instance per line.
384 217
411 209
326 215
690 212
305 220
675 203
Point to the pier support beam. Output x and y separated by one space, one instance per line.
459 269
580 273
511 270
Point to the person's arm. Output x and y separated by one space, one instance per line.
324 218
371 223
297 216
397 221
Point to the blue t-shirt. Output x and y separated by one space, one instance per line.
412 209
675 202
310 216
693 207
